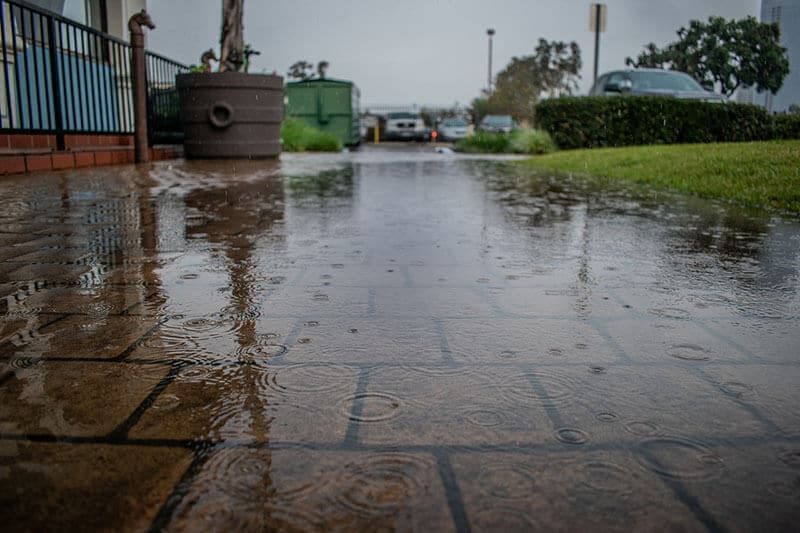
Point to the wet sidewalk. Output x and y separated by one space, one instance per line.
392 339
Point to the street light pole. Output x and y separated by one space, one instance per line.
490 33
597 24
598 13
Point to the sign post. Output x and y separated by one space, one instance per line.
597 23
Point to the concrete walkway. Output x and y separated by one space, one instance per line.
392 339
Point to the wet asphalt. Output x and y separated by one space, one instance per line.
392 339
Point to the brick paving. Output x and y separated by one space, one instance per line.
392 340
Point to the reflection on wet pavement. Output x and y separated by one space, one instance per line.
392 340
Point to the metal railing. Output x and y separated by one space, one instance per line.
163 116
58 76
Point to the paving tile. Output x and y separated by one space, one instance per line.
251 403
754 488
55 255
669 340
772 390
16 248
74 399
767 340
444 406
81 337
52 273
14 326
526 341
388 275
91 487
293 490
216 340
449 276
631 404
662 301
566 491
95 301
430 303
317 301
10 240
367 341
554 301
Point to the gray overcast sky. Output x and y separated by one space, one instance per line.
424 51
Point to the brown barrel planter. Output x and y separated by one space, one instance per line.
231 114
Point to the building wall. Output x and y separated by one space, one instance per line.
119 11
787 14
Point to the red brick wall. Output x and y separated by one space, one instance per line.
20 152
21 141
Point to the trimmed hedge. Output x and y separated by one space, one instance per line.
786 127
590 122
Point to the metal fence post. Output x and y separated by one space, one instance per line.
55 84
139 75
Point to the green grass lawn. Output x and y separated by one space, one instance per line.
756 173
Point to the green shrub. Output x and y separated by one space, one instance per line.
520 141
589 122
528 141
299 136
483 142
786 126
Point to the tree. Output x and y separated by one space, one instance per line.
551 71
517 89
559 64
304 70
300 70
724 54
232 36
482 106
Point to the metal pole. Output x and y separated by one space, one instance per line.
55 81
490 33
139 80
598 8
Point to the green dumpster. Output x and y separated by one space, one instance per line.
328 104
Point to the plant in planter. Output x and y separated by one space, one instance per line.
230 113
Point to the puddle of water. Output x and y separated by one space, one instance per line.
393 339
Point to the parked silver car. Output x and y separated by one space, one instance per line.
453 129
652 82
497 123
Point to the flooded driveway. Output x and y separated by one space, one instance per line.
392 339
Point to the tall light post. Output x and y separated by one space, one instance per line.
490 33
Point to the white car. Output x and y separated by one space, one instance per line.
405 127
453 129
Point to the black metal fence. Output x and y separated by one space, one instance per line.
58 77
163 118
